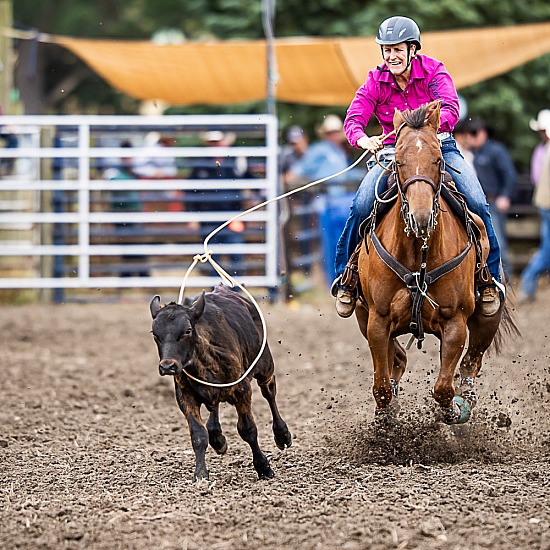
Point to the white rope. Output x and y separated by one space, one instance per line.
378 198
207 257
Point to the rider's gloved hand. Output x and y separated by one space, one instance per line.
372 144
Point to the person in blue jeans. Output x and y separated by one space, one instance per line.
540 177
407 80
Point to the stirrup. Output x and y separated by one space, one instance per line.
335 286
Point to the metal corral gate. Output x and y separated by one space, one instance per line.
71 217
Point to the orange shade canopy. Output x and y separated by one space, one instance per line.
316 71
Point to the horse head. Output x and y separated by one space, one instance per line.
419 166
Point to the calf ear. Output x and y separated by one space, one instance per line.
197 308
154 306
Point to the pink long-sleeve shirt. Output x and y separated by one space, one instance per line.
380 96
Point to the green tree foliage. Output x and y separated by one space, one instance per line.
506 102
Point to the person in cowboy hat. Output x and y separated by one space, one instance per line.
294 149
540 177
407 80
325 157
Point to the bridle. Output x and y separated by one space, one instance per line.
410 224
417 282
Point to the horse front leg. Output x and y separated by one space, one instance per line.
398 360
455 409
379 344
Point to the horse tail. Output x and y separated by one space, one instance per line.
507 328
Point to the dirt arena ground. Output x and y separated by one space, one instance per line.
95 454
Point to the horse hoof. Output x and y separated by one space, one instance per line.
283 440
464 410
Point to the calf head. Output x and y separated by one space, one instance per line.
175 333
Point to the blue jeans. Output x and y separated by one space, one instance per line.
466 182
540 262
499 225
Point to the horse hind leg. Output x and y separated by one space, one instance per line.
482 331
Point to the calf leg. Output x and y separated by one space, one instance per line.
248 431
199 434
215 435
282 435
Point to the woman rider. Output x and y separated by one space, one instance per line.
407 80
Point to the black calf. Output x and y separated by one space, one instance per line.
216 338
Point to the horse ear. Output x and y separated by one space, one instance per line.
433 112
197 308
397 118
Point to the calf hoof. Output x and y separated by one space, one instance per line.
263 468
219 444
268 473
200 473
283 439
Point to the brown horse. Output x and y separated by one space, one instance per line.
417 269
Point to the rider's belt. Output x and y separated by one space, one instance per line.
444 135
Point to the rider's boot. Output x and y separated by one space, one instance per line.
491 297
345 302
344 288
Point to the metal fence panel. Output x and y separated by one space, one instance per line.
66 222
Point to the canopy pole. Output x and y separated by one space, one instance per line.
268 14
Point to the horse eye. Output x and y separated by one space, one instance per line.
188 332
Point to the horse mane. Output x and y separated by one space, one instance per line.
415 118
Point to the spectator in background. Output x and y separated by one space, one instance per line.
160 168
156 167
326 157
540 177
126 200
463 140
9 141
497 175
220 199
296 146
